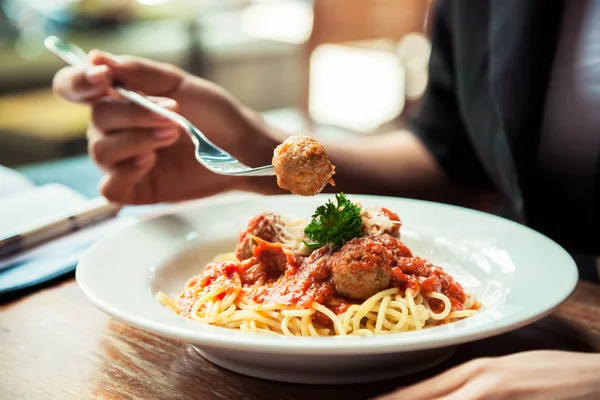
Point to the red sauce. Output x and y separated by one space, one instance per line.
274 275
392 216
302 284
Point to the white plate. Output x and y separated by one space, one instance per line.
517 274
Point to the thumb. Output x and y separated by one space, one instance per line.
140 74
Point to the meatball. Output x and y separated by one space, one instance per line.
264 226
302 166
273 259
361 268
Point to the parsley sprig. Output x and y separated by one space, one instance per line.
334 224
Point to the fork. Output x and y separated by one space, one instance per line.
209 155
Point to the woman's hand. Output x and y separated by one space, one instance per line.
547 375
146 158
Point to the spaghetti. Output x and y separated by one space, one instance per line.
372 285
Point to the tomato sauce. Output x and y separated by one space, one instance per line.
274 275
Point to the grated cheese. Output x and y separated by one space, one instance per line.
290 231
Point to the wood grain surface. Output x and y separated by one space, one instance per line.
55 345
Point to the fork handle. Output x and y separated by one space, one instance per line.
75 56
149 104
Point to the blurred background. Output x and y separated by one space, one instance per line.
341 68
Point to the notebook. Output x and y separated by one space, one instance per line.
23 204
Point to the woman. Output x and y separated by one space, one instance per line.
498 117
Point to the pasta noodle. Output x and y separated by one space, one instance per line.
389 311
373 285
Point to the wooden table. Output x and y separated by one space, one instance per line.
55 345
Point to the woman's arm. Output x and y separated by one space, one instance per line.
393 164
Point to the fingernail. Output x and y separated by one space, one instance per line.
97 74
167 103
113 59
165 133
144 160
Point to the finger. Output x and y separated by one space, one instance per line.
440 385
110 114
110 150
150 77
119 185
479 388
82 84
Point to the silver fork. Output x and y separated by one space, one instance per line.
210 156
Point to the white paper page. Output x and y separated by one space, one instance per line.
89 235
12 182
74 241
25 209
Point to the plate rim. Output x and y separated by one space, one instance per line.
333 345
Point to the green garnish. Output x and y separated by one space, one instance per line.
334 224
